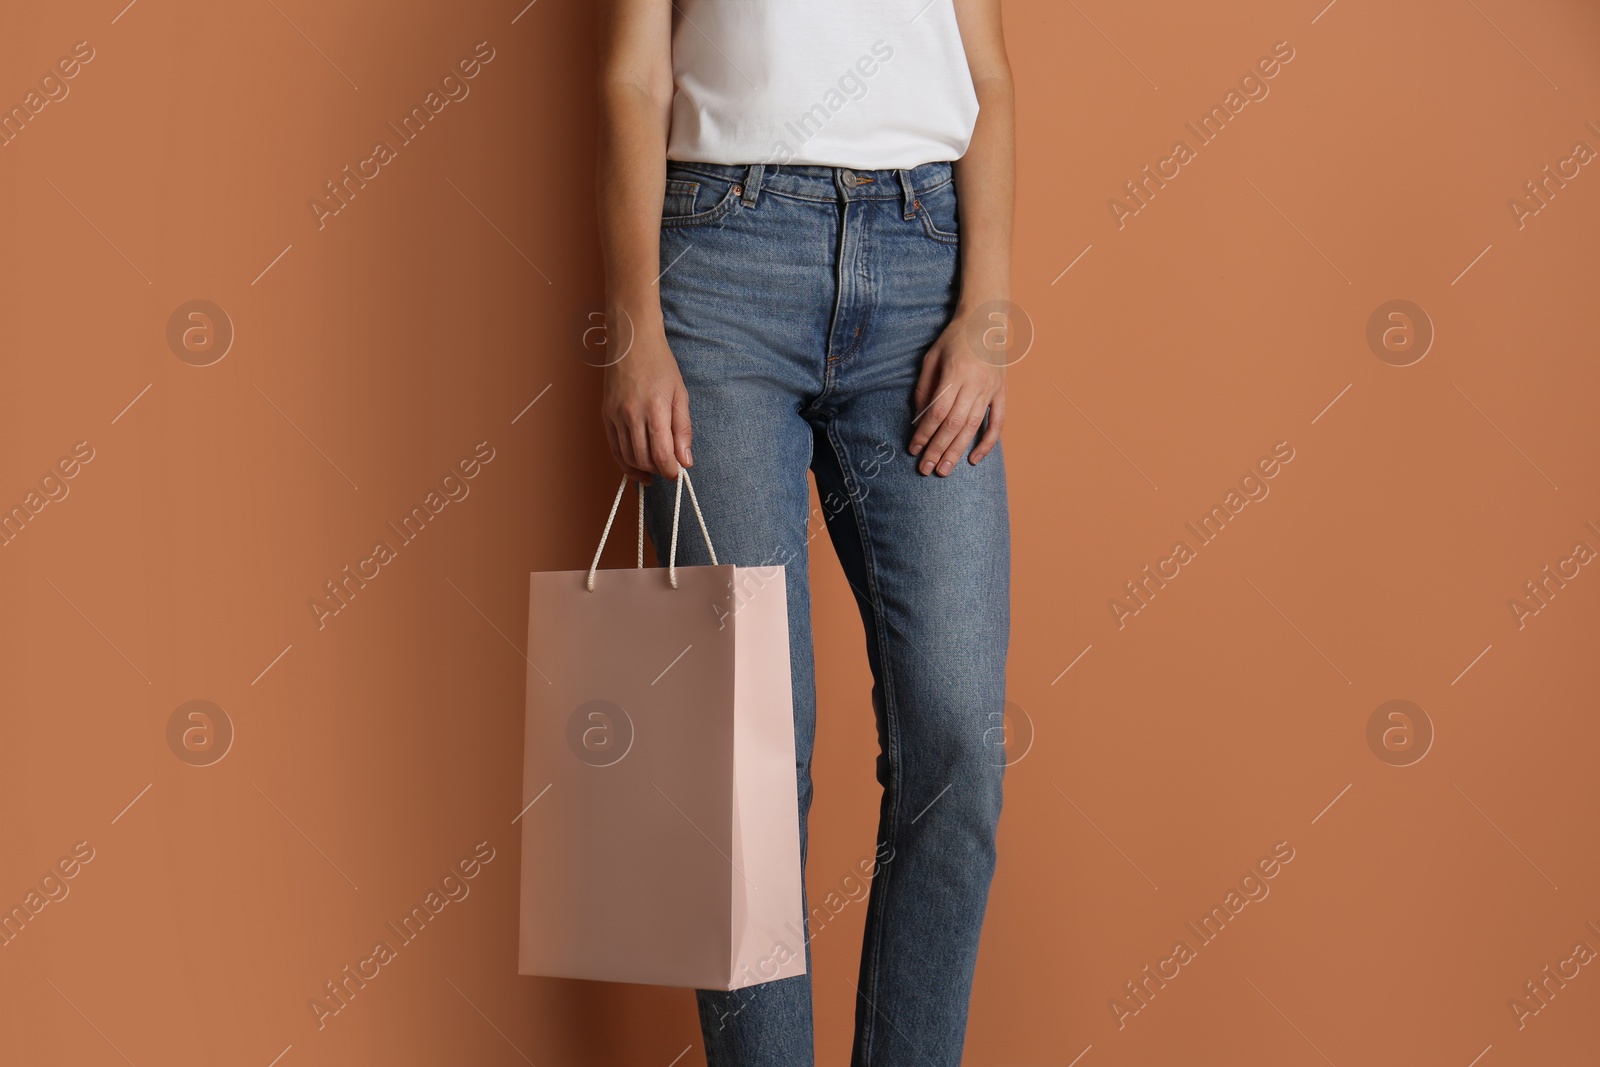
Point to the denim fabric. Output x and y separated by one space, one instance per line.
799 302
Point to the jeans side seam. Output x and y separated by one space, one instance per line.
891 728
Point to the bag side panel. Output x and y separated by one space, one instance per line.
770 943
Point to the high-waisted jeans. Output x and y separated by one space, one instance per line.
799 302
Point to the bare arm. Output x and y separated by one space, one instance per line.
645 406
986 175
958 385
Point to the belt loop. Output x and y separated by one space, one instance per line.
909 197
752 183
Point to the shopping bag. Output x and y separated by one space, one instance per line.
660 836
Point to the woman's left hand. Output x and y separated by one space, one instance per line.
957 386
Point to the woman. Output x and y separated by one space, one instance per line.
803 297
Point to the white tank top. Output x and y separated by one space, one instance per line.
869 84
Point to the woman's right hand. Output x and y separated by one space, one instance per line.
645 408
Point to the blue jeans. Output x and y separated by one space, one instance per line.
799 302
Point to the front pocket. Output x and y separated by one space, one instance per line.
679 201
940 214
683 197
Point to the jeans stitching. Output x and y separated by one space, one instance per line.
830 361
673 165
820 199
891 729
942 236
715 213
859 339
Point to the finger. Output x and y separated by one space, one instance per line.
953 426
638 438
968 429
661 451
611 442
991 435
922 393
963 439
931 416
682 429
616 454
619 431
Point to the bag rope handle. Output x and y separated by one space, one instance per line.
677 502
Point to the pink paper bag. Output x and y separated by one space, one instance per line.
661 839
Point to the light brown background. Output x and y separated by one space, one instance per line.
1230 714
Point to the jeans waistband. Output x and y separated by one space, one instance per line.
816 182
